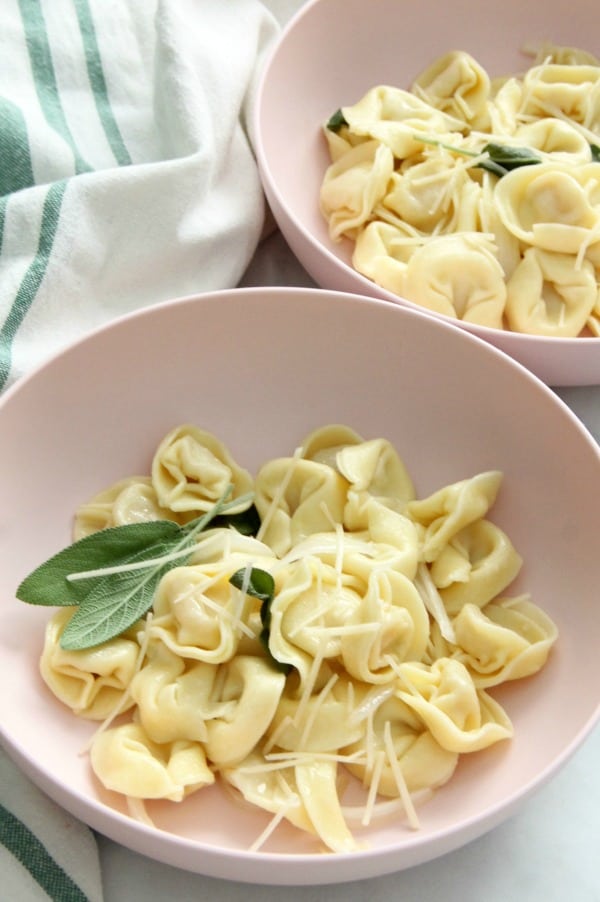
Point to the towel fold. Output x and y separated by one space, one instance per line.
126 170
127 177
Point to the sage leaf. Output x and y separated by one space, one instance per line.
500 158
337 121
247 522
260 584
255 582
48 583
504 158
112 575
114 604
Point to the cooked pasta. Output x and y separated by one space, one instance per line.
370 662
477 197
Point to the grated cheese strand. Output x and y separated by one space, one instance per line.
126 696
266 520
272 825
373 787
310 683
405 795
310 720
138 811
433 602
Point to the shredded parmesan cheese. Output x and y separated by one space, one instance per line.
272 825
411 813
126 696
281 488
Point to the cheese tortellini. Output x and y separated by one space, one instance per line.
191 469
477 197
370 661
93 683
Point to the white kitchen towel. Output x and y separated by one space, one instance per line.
126 169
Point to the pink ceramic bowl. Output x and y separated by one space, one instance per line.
329 55
261 368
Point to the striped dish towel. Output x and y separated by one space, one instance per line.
126 177
44 853
126 171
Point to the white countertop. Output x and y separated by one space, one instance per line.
547 851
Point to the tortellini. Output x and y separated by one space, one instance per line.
251 690
396 119
191 471
296 498
507 639
488 207
93 682
457 84
198 613
550 295
127 761
474 291
564 90
423 762
448 510
552 206
362 656
363 621
460 717
354 184
127 501
555 137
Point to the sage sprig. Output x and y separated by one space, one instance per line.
497 158
112 575
502 158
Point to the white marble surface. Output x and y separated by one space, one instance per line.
547 851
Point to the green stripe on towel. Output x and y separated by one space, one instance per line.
40 57
16 171
3 203
26 848
32 278
98 83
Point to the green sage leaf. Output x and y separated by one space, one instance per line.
255 582
114 604
337 121
504 158
112 574
247 522
260 584
48 583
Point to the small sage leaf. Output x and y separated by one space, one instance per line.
260 584
337 121
247 522
255 582
504 158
